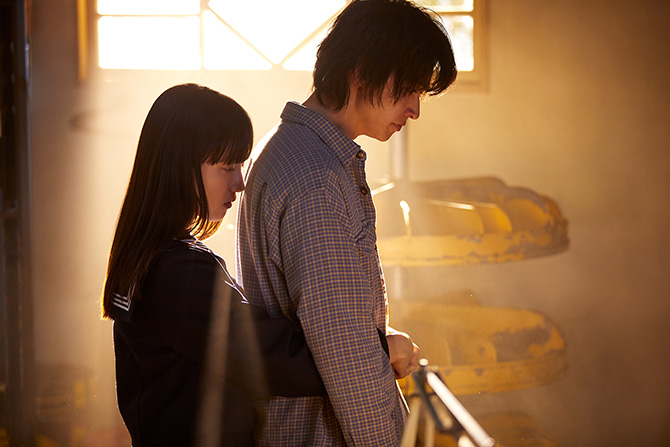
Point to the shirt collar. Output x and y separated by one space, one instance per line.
344 148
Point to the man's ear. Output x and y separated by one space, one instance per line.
355 87
355 82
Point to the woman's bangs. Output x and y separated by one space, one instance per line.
232 148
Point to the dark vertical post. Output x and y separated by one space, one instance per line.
17 350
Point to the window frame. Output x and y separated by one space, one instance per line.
477 78
88 69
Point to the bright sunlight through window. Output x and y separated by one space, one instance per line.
238 35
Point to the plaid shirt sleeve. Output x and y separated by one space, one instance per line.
326 274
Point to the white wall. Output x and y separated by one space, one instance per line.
576 109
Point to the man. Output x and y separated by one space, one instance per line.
306 229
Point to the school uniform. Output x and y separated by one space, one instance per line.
192 354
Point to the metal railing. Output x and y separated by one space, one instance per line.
441 411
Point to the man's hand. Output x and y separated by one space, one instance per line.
403 353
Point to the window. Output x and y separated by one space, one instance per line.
242 35
210 35
464 21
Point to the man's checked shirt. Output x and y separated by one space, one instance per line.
307 250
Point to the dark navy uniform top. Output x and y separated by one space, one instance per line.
192 353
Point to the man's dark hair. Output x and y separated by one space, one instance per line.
375 40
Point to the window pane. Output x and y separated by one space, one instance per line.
225 50
235 38
460 29
448 5
148 7
305 58
274 27
152 43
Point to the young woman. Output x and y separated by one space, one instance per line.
191 353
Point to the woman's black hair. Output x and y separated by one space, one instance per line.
188 125
375 41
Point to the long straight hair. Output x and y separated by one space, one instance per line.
188 125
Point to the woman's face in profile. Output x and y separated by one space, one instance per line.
222 183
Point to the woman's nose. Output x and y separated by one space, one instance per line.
238 185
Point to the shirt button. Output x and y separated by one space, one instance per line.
364 190
360 154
